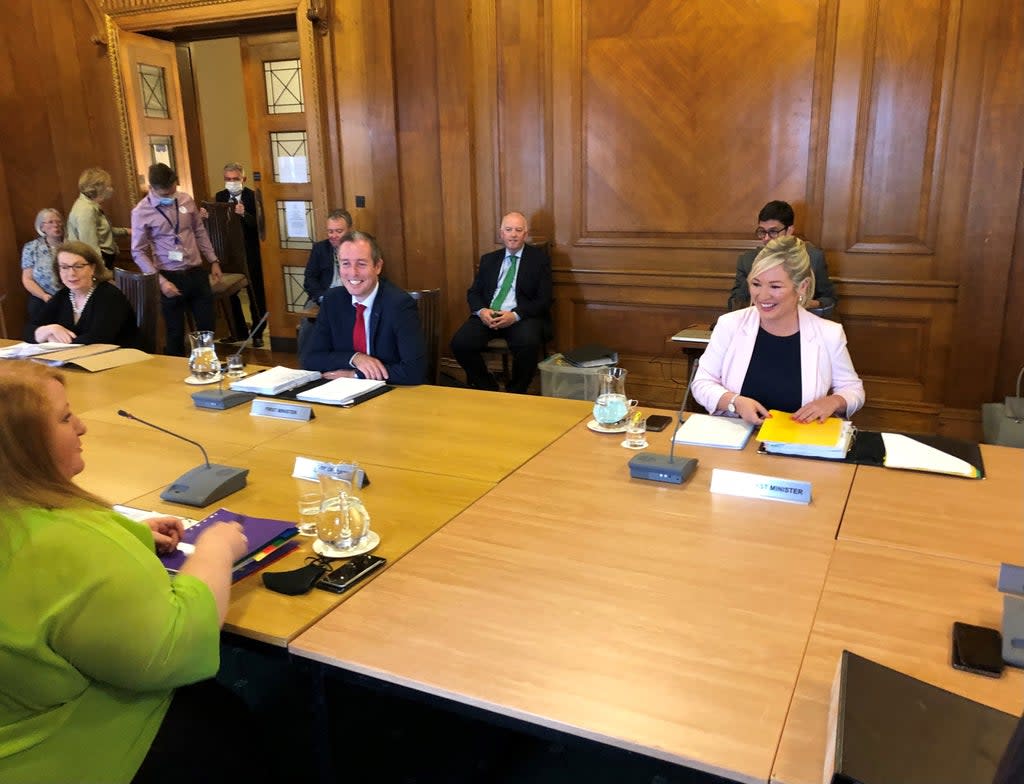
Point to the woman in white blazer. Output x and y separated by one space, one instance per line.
775 354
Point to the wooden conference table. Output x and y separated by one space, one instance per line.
429 453
691 627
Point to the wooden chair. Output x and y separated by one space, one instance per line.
143 292
428 303
225 230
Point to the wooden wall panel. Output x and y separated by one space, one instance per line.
691 114
909 56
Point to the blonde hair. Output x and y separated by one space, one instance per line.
790 253
29 475
94 181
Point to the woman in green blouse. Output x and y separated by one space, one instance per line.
95 636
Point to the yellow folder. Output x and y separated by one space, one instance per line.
782 429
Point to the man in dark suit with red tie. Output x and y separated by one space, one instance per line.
243 201
370 328
510 298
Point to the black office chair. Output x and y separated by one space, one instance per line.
143 292
428 303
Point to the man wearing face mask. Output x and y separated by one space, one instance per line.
168 236
243 201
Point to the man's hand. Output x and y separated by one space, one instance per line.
167 533
370 367
215 273
167 288
499 320
812 304
332 374
239 208
203 214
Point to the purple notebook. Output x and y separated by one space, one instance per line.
266 540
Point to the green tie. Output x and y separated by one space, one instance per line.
506 284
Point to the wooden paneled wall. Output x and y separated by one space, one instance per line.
641 137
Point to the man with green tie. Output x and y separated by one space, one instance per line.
510 298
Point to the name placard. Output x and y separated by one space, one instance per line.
771 488
279 410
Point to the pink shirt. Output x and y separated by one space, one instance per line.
158 231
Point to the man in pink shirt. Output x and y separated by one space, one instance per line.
167 238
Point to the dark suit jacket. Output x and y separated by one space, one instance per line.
319 270
739 297
250 228
396 338
533 283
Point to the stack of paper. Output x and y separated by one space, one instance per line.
591 356
275 381
719 431
905 452
782 435
25 350
339 391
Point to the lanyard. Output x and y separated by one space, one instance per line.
177 220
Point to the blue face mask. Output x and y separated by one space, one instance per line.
166 201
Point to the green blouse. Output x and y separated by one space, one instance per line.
94 636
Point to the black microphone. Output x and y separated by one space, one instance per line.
658 468
200 486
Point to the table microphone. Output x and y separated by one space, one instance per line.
200 486
658 468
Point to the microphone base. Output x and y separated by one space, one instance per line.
658 468
203 485
219 399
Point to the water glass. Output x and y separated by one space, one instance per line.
636 432
236 366
310 503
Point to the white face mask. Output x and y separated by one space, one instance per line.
234 188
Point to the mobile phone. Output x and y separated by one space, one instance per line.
658 422
977 649
347 575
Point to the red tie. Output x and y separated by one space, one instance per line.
359 330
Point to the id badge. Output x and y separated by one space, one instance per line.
176 255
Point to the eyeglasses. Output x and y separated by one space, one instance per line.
770 233
69 267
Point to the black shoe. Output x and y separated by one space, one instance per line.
257 342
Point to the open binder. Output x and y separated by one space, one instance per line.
913 452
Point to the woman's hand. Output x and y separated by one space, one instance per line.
54 333
167 533
821 409
750 410
225 539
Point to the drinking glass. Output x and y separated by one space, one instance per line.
236 366
310 502
636 431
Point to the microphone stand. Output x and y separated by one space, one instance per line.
202 485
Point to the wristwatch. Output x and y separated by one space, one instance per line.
731 408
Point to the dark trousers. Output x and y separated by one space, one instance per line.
208 735
525 339
196 296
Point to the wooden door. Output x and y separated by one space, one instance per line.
277 94
152 96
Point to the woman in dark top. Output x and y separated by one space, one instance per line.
775 354
86 310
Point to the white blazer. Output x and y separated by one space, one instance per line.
825 365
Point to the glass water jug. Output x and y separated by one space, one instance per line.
612 405
202 360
